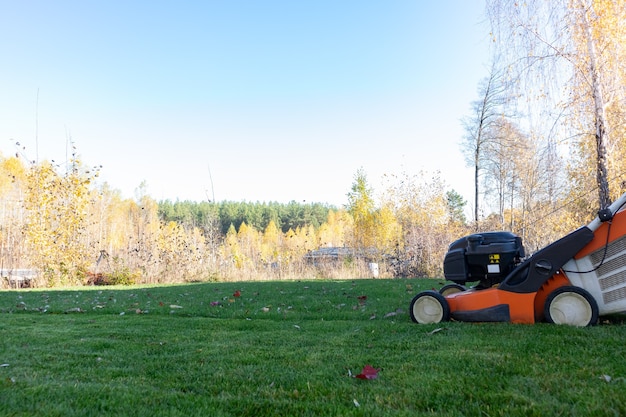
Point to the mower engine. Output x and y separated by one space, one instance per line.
485 257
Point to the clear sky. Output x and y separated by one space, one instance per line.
278 100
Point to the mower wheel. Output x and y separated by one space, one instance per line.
571 305
429 307
451 289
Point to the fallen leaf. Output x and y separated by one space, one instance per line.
215 303
175 306
437 330
237 293
356 403
368 372
607 378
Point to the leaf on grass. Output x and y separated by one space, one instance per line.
175 306
607 378
356 403
368 372
74 310
215 303
437 330
237 293
393 313
4 365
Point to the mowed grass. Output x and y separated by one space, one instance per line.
291 349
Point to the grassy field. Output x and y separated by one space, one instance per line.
291 349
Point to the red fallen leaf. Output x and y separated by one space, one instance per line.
362 299
237 293
368 372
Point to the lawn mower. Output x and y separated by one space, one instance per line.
573 281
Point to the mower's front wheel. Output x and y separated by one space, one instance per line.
429 307
571 305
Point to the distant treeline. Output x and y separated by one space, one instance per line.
289 216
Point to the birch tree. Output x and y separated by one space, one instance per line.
12 184
56 222
361 207
421 208
479 129
567 59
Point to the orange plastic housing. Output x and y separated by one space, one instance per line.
556 281
524 308
521 306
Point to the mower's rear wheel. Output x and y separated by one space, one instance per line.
451 289
429 307
570 305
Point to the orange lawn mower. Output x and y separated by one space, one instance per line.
572 281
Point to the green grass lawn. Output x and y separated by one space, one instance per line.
291 349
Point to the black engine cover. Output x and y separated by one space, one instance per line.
486 257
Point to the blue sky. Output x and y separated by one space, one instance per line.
278 100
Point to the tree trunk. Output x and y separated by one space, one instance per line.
476 168
601 134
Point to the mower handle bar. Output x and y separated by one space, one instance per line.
614 208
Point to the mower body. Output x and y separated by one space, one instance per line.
572 281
